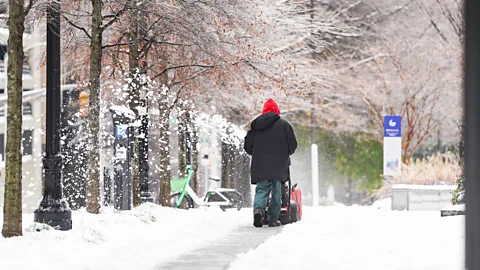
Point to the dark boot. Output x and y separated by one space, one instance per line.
274 224
258 218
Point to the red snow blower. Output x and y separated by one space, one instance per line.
291 210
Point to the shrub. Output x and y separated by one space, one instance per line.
437 169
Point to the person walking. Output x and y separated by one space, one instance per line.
270 141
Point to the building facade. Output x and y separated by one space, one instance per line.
32 123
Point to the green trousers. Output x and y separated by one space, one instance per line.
261 197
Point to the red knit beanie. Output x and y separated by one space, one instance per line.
270 106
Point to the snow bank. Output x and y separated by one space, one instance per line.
453 210
123 110
424 187
137 239
457 207
348 238
383 204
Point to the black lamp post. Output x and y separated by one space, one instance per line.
53 209
145 194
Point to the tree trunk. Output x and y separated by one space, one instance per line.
93 184
154 154
182 151
135 169
226 166
195 160
244 186
350 192
194 151
136 173
238 164
165 189
12 209
134 97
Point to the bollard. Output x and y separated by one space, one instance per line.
315 194
331 194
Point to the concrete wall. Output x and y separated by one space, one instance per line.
421 198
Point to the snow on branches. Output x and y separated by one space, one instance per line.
228 132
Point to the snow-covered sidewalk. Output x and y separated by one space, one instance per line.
139 239
362 238
331 238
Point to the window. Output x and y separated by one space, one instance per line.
27 108
3 52
27 142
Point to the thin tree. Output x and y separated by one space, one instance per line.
417 109
99 24
93 183
12 208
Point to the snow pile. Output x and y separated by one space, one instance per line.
383 204
456 207
362 238
124 110
138 239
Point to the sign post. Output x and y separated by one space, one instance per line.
392 145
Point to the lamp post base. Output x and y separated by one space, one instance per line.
146 197
53 209
58 219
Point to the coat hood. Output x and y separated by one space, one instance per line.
270 106
265 121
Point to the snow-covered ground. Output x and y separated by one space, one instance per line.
137 239
333 238
373 238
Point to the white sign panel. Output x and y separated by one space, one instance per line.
392 145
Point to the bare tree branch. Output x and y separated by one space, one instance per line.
28 7
76 26
180 67
115 17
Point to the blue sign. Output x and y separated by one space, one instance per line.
392 126
120 131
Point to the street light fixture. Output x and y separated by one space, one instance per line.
53 209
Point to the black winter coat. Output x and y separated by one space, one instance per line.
270 142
